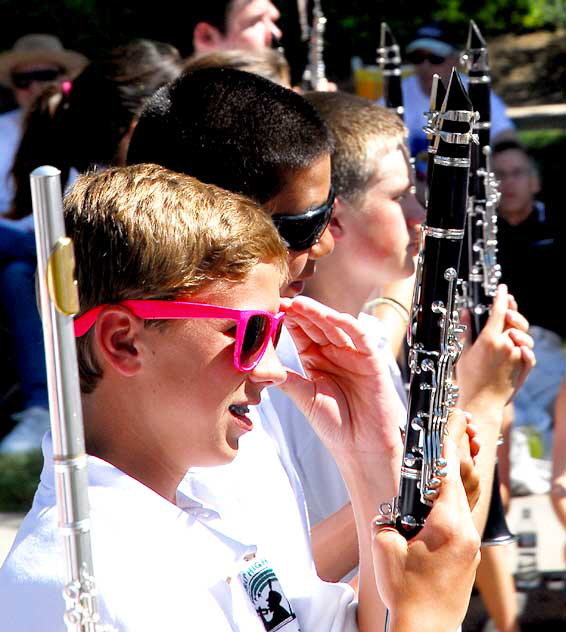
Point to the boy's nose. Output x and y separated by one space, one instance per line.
324 246
269 369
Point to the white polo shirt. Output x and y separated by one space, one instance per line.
194 566
259 495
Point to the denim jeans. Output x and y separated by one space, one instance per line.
16 241
19 311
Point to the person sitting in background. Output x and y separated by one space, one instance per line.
434 51
34 61
530 252
234 24
76 128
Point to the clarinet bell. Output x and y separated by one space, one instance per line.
496 531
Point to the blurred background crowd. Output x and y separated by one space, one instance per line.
75 75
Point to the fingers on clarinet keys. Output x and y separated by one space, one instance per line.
385 516
433 489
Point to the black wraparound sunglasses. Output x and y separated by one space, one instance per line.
301 232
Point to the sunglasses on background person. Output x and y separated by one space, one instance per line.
302 232
418 57
24 79
254 328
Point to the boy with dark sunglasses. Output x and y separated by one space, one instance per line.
165 390
246 134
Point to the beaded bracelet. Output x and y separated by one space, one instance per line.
396 305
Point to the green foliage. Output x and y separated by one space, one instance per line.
546 13
542 138
450 10
19 477
503 16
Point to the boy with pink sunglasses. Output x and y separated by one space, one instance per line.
180 312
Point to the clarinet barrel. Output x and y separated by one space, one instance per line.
496 530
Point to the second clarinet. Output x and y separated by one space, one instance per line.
434 331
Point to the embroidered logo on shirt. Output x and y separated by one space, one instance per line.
266 594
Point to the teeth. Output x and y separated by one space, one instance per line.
239 409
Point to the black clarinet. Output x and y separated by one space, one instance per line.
434 332
389 60
480 272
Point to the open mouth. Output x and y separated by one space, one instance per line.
240 412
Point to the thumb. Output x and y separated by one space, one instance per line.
452 492
496 320
389 552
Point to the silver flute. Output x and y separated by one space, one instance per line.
314 77
59 303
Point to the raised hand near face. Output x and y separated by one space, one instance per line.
348 394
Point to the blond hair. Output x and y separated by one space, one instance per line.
363 133
144 232
268 63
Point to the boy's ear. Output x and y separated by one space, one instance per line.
206 38
118 335
336 224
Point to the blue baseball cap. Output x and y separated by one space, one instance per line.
433 37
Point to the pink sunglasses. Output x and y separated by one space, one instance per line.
254 327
